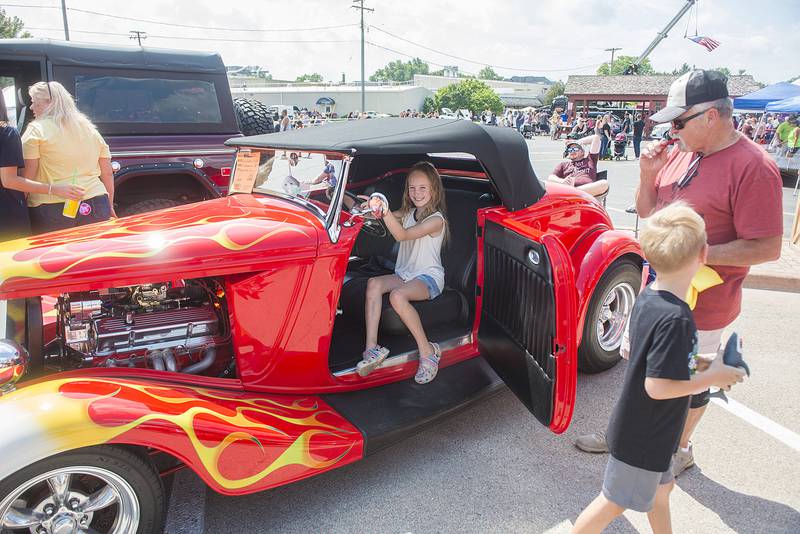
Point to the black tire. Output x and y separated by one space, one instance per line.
136 471
253 117
593 356
144 206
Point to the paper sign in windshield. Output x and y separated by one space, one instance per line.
245 171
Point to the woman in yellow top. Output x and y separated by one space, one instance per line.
62 146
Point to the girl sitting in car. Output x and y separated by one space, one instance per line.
421 228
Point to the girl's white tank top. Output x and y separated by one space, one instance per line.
423 255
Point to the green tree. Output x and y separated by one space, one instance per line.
11 27
557 89
488 73
470 94
724 70
309 78
622 63
429 104
399 71
683 69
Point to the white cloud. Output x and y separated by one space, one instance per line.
549 36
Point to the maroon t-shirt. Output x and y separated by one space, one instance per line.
738 193
582 171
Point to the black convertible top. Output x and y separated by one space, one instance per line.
502 151
123 57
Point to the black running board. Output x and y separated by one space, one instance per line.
388 414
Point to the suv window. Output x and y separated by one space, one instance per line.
124 99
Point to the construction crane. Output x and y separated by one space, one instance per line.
633 68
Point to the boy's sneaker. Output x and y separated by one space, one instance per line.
682 460
595 442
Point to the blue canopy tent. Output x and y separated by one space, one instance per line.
787 105
758 100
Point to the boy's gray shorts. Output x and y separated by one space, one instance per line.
631 487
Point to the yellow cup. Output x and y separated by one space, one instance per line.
71 208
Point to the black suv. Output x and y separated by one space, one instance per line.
164 113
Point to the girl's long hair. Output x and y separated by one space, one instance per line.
437 202
61 107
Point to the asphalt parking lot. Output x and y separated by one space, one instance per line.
493 468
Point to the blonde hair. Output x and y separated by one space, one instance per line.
673 237
437 202
60 107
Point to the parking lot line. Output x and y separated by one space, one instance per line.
762 423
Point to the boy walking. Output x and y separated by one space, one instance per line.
646 424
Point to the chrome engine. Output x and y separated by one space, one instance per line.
175 326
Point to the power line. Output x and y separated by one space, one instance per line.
150 35
521 69
580 67
177 25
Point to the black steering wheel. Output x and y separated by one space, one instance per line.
372 226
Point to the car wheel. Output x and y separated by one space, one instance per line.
253 117
96 489
144 206
608 311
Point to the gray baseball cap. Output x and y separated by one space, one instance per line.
694 87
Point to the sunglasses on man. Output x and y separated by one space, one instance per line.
573 149
688 175
680 124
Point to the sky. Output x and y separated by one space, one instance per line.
553 38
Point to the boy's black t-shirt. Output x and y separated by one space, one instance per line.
644 432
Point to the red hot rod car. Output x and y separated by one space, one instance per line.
224 335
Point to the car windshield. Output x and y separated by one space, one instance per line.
307 177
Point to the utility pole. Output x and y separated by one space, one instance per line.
612 50
138 35
359 4
64 14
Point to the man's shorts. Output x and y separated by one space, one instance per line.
633 488
708 342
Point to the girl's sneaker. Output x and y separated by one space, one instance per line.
428 366
371 359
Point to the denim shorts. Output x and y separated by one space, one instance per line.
433 289
632 487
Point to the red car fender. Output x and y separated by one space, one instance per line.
592 256
237 442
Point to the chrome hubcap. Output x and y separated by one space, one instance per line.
616 309
57 502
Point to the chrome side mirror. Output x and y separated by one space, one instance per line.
14 360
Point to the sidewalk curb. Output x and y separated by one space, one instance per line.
772 282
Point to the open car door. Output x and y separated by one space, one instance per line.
528 317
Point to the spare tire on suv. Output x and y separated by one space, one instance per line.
253 116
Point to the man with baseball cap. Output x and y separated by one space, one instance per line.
580 169
735 186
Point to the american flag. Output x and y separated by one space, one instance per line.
709 43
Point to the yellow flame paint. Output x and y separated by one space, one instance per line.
68 424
